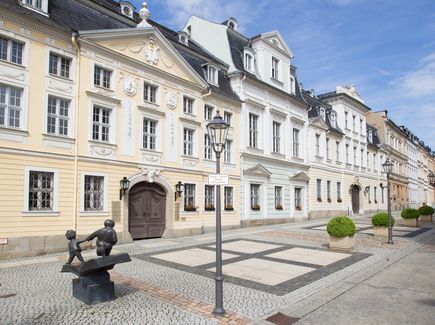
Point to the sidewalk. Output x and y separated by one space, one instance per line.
284 269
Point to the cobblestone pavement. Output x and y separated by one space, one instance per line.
33 291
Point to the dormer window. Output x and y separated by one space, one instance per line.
275 68
248 59
322 113
232 23
370 135
37 5
292 85
211 73
127 9
333 120
183 38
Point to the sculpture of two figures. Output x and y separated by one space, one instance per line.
106 238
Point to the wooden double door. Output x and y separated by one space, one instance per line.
355 199
146 211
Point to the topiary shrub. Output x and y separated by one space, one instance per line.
410 213
381 220
426 210
341 227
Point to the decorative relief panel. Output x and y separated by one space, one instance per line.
149 157
129 84
190 162
171 99
60 86
102 151
12 73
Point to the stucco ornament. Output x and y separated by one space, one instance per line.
130 86
152 51
171 100
151 174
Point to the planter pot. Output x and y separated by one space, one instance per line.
426 217
342 244
410 222
381 232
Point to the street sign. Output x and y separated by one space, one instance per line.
217 179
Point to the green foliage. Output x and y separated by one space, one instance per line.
381 219
341 227
426 210
410 213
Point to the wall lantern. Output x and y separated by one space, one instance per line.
179 187
124 184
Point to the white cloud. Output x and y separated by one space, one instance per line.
179 11
420 82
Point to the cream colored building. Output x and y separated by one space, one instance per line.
82 110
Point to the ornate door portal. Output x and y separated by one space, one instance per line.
146 211
355 199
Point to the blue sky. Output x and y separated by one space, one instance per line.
385 47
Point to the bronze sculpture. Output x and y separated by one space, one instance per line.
74 246
106 238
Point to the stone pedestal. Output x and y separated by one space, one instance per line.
93 284
381 233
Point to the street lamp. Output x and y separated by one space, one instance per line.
387 167
217 131
124 183
431 178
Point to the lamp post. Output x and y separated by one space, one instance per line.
387 167
217 131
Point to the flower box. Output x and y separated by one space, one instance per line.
255 207
341 243
410 222
209 208
278 207
426 217
381 232
229 208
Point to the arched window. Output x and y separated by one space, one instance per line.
249 62
333 119
322 113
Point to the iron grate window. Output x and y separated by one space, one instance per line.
41 191
94 193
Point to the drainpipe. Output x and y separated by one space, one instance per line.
242 180
74 40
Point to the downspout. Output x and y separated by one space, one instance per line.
202 219
74 40
242 180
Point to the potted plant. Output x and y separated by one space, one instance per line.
298 208
341 231
426 213
329 200
189 207
339 200
209 207
255 207
380 225
410 217
278 207
229 207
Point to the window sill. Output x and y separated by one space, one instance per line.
57 137
104 88
151 151
189 157
151 108
60 78
277 155
13 134
255 150
40 213
277 81
102 143
14 65
94 213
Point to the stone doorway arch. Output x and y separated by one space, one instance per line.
355 191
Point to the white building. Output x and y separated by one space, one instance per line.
273 120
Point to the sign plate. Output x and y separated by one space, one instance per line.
3 241
217 179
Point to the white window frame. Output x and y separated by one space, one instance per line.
292 85
278 198
43 9
147 93
339 191
226 205
370 136
317 144
212 74
328 191
208 112
59 65
194 196
276 137
298 199
208 149
101 76
188 105
57 116
228 154
319 190
322 113
228 117
55 210
337 150
8 108
275 68
296 143
333 119
189 144
327 148
209 197
9 47
254 190
248 61
346 120
253 130
105 210
149 136
112 120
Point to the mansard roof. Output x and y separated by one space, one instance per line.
315 104
67 15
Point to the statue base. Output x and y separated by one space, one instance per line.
93 284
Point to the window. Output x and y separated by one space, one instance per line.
149 93
295 143
354 155
338 191
11 51
319 190
255 197
346 125
10 106
328 190
353 123
228 198
37 4
322 113
208 112
248 62
298 199
189 197
278 197
368 160
362 158
59 65
182 38
292 84
57 116
327 148
187 105
382 195
94 193
227 117
41 191
188 142
361 126
209 198
375 190
374 162
102 77
253 131
333 120
337 150
228 152
276 137
347 154
101 124
317 144
208 150
211 74
149 134
275 68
